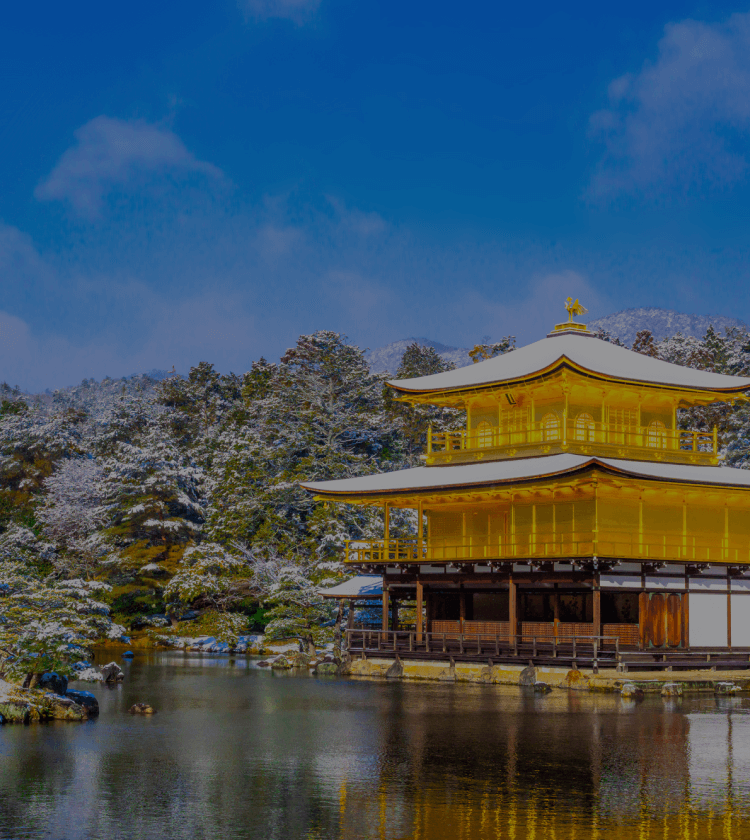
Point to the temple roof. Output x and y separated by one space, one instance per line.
494 473
585 352
361 586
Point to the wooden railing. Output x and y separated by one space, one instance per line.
620 544
628 634
571 431
411 644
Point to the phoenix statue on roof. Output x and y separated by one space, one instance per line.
574 308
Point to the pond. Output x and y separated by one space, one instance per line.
236 751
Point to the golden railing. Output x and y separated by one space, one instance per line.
573 432
624 544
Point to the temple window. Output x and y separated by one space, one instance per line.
622 423
657 435
550 427
484 434
584 427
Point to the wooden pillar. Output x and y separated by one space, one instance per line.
556 609
729 611
385 608
462 603
597 609
394 614
350 620
512 606
419 611
386 526
420 532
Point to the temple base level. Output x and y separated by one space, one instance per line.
723 683
583 652
651 613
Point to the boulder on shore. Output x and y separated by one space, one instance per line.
300 660
281 663
85 699
52 681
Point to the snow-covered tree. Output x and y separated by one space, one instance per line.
209 575
291 590
73 513
317 415
45 623
489 349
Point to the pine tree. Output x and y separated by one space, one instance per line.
411 422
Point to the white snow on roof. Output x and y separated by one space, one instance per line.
361 586
586 351
501 472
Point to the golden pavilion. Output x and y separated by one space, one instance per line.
570 514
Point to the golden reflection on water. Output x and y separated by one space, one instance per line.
669 775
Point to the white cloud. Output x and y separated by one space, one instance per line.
202 328
682 122
111 152
298 11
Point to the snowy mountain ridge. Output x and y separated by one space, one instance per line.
623 325
662 323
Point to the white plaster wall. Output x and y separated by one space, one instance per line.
708 584
740 620
665 583
708 619
740 585
620 582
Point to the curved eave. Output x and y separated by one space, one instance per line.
564 363
608 467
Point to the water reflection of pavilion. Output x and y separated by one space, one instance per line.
639 771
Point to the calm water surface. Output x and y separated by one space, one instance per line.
240 752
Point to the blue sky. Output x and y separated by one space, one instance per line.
206 181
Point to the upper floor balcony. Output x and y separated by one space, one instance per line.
580 435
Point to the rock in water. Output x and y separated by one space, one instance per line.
112 673
542 687
629 691
527 676
671 690
281 663
329 668
575 679
395 672
141 709
85 699
52 681
726 688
